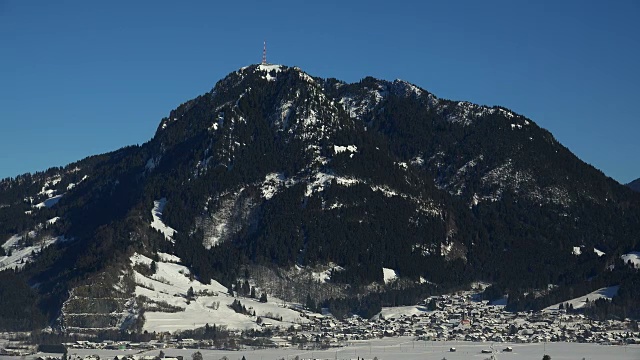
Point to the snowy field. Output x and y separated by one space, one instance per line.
404 349
169 285
581 301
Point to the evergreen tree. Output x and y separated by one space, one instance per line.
310 304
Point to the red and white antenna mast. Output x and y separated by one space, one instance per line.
264 54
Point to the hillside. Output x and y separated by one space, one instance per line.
318 192
634 185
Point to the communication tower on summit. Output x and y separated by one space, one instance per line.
264 54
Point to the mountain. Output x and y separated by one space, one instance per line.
315 191
634 185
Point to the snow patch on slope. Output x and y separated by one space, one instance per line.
273 183
157 223
634 257
577 250
389 275
337 149
268 68
21 253
580 302
73 185
167 290
320 180
49 202
52 181
323 276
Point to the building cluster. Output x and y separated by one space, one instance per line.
459 318
455 318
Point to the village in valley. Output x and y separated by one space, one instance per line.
453 318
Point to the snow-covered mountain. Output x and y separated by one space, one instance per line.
308 187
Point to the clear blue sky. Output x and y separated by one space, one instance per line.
79 78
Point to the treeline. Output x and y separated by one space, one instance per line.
19 310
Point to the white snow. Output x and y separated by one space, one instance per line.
350 148
465 112
324 276
445 248
21 255
402 311
385 190
423 249
318 182
52 181
269 68
285 112
418 160
53 220
389 275
579 302
395 348
271 184
304 76
410 89
633 256
168 258
475 200
169 285
507 114
577 250
49 202
157 223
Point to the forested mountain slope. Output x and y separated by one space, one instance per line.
275 170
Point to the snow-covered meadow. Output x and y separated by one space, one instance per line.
402 348
167 289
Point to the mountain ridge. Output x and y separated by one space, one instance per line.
274 169
635 185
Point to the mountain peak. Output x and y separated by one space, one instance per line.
275 168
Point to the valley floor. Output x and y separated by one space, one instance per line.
400 348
